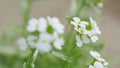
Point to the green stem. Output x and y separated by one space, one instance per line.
69 55
26 6
31 60
80 8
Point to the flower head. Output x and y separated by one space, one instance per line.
46 33
100 62
56 24
43 44
96 55
87 31
37 25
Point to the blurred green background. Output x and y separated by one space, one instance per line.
10 12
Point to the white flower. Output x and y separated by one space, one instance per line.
78 22
43 25
85 39
31 39
91 66
96 55
22 44
98 64
44 42
37 25
79 41
56 24
57 41
94 27
100 5
79 26
106 64
94 38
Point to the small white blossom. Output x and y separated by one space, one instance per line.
31 40
96 55
82 40
98 64
85 39
79 41
106 64
44 42
91 66
57 41
79 26
94 38
94 27
37 25
88 31
100 5
56 24
22 44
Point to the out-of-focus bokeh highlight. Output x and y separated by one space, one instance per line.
10 12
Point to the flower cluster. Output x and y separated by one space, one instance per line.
45 34
86 31
99 62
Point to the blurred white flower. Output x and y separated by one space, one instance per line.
87 31
57 41
44 42
22 44
81 40
98 64
49 33
79 26
78 41
96 55
106 64
91 66
37 25
94 38
31 40
56 24
94 27
100 5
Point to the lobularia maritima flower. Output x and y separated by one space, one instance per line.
100 62
45 33
86 31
